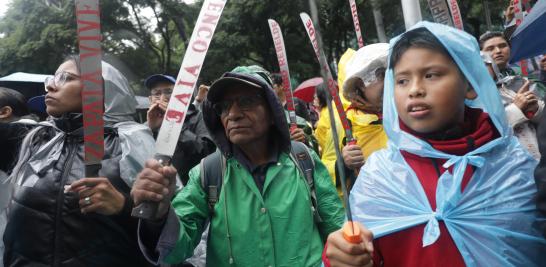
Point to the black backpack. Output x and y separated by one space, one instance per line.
213 167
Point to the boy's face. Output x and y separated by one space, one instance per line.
499 50
429 90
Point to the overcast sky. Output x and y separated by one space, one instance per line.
4 5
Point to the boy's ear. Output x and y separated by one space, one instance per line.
470 92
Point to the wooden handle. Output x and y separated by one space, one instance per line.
148 209
145 210
351 233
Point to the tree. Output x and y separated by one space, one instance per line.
378 19
38 42
37 34
38 45
167 38
243 37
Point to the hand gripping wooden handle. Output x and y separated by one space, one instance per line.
351 233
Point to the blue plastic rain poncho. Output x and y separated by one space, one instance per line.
493 221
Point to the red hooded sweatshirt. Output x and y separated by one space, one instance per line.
405 248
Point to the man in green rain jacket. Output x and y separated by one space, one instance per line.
264 214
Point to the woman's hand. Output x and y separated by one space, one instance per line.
98 195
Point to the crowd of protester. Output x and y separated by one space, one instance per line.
446 169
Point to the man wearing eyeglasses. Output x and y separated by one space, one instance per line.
194 142
264 213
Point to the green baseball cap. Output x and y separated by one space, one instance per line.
254 75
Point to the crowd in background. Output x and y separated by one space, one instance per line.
433 110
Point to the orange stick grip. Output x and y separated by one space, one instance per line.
351 233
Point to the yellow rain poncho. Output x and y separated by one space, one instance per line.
323 132
368 131
367 127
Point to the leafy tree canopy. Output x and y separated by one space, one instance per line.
142 37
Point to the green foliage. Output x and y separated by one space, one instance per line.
35 35
33 46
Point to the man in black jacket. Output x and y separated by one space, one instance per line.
194 142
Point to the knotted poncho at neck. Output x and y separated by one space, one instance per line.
492 221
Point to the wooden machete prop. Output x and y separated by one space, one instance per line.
350 233
196 50
88 20
283 67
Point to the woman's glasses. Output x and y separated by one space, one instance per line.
59 79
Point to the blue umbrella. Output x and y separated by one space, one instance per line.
529 39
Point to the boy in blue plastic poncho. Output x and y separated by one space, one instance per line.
453 187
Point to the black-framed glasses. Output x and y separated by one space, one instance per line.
244 103
156 93
59 79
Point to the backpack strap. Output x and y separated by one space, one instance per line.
300 155
213 167
212 176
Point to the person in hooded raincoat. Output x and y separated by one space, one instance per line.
323 131
364 88
264 213
454 186
59 218
324 137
